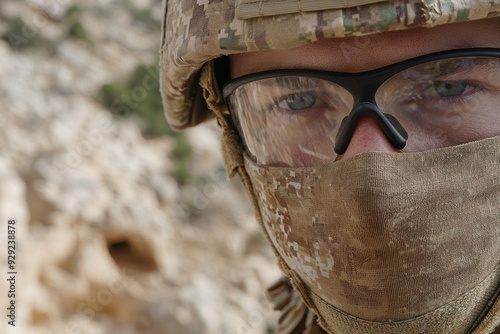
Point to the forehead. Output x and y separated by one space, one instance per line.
358 54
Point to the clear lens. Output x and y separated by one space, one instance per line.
290 121
445 103
294 120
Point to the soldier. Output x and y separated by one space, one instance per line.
367 134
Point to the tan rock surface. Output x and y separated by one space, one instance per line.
107 241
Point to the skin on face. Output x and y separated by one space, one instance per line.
359 54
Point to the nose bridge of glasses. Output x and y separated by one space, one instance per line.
362 86
392 129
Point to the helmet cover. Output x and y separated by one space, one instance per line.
196 32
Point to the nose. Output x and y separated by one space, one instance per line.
367 137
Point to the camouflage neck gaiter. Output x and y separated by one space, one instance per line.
390 243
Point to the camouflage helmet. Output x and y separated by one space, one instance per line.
196 33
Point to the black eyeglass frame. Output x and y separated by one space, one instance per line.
363 87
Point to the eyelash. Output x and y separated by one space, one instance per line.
451 101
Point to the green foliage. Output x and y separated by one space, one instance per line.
75 26
150 108
139 97
182 156
77 30
74 12
111 93
143 16
21 35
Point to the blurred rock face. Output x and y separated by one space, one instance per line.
108 240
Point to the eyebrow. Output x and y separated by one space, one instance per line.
292 82
448 67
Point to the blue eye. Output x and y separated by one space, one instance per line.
298 101
449 88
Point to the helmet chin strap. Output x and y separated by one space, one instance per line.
393 130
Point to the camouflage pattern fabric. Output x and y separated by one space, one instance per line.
195 32
383 256
295 317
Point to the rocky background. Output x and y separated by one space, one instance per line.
122 226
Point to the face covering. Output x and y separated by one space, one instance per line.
387 242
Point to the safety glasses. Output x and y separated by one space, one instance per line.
307 118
